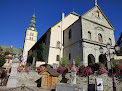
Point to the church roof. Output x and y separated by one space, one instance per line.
12 51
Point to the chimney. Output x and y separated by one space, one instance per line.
63 16
11 46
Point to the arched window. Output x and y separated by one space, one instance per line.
30 34
89 34
58 44
97 14
58 58
69 56
100 38
30 38
91 59
70 34
110 41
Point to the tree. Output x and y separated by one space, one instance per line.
2 59
30 58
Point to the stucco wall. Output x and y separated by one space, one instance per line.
29 43
56 36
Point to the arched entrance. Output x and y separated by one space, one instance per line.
102 59
91 59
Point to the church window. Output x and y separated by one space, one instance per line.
69 56
58 44
100 37
70 34
32 34
110 41
58 58
89 34
97 14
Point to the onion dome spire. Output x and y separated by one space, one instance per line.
33 23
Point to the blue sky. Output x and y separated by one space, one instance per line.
15 16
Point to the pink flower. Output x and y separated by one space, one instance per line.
102 70
77 69
18 69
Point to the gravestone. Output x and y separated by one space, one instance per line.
12 81
33 61
73 73
55 65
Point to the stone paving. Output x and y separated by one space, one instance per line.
4 88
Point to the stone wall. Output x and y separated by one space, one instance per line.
27 78
107 81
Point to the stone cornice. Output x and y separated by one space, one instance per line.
95 42
90 42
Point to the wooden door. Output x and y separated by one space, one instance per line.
44 82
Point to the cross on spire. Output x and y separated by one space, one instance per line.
34 10
95 2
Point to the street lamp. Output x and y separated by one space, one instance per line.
117 49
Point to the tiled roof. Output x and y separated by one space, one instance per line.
13 50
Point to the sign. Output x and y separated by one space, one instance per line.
98 84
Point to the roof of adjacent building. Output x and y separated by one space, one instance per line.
12 50
51 71
75 13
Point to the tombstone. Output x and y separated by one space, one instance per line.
98 84
73 73
55 65
33 61
12 81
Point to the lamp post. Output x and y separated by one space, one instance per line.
117 49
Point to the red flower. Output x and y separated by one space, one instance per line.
20 60
70 66
9 70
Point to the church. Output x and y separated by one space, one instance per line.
72 36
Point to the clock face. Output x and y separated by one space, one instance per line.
32 28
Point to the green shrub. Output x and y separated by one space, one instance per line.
77 60
64 62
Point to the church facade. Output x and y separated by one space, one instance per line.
78 35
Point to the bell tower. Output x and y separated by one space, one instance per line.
30 36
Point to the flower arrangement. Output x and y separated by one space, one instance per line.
39 69
86 71
77 69
102 69
119 70
95 67
1 71
18 69
27 69
60 69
